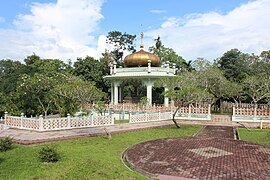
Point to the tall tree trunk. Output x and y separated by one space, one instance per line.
174 114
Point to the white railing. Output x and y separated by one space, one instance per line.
191 109
138 108
42 124
251 113
146 117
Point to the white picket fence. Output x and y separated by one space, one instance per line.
146 117
42 124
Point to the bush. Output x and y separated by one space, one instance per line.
49 154
6 144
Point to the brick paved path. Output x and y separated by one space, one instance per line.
212 154
217 132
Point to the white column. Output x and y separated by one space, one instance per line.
166 99
112 93
149 93
149 85
115 94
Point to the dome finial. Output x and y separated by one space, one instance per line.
142 36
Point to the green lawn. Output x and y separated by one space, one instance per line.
260 136
121 121
87 158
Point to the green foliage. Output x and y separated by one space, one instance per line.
45 66
38 88
9 73
143 101
234 64
6 144
93 70
186 88
86 158
76 92
168 54
120 41
257 87
48 154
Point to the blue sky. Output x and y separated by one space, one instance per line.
67 29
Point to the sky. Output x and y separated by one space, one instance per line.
67 29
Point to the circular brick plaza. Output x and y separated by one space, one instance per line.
200 158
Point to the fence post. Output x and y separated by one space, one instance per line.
129 117
68 120
41 123
233 112
209 111
91 119
22 119
255 113
189 111
159 115
112 118
5 118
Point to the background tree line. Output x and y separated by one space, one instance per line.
49 86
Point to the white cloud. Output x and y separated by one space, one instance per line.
158 11
211 34
171 22
55 30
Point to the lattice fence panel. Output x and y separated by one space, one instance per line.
263 112
58 123
165 116
199 110
138 118
30 123
153 117
102 120
84 121
13 121
244 112
183 110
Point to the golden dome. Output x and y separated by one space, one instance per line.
141 58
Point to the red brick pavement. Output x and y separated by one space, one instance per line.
201 157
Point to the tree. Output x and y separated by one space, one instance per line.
265 56
234 64
234 90
90 69
10 71
184 90
38 88
34 64
169 55
121 42
257 87
78 91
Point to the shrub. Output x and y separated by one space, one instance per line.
6 144
49 154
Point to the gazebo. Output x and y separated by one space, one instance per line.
142 66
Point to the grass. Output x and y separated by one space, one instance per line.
86 158
260 136
121 121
